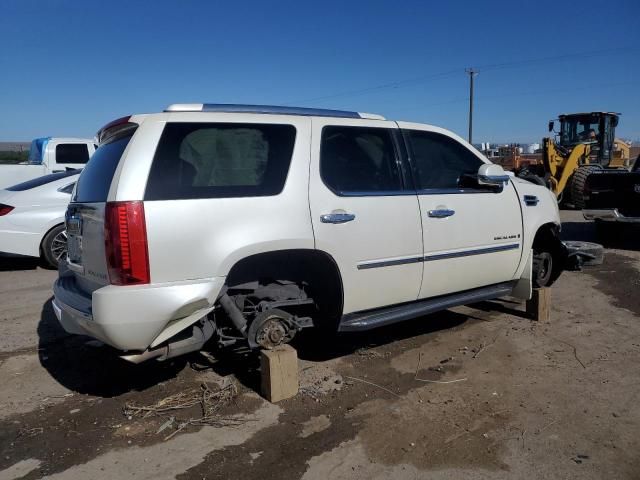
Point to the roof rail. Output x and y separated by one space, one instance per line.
269 109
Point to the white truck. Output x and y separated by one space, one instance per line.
252 222
48 155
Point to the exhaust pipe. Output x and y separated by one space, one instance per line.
199 336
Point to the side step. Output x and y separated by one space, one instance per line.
369 319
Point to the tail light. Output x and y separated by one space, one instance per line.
4 209
126 243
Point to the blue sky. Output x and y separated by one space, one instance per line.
68 67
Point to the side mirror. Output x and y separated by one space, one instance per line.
551 125
493 175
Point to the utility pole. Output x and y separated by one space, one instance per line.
472 73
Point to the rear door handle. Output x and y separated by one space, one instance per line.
441 213
337 217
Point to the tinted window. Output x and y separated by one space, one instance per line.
359 160
213 160
72 153
440 161
95 180
38 182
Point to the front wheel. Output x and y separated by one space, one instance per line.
542 268
54 246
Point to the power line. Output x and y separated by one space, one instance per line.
457 71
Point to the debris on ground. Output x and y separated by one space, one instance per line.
209 402
319 380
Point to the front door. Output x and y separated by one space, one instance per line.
472 233
363 213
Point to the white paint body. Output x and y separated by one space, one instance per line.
36 211
193 244
13 174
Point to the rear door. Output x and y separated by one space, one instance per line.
472 234
363 213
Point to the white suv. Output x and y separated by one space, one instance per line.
250 223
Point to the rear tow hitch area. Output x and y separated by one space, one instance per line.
265 314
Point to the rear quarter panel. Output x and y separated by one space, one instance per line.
203 238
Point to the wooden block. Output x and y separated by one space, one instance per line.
279 370
539 307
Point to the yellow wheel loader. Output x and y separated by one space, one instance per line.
585 142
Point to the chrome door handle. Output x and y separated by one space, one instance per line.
337 217
442 213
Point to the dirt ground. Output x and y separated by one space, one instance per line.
474 392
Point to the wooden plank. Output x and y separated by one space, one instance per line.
279 371
539 307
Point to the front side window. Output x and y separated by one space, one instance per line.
72 153
359 160
216 160
439 161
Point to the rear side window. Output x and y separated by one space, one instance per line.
72 153
95 180
216 160
359 160
439 161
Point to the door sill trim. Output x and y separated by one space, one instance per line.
379 317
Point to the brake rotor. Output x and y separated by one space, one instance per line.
270 329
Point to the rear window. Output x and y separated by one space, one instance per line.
38 182
215 160
72 153
95 181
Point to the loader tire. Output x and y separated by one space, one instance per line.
578 182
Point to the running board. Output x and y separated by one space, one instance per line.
367 320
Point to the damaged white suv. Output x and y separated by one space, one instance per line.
249 223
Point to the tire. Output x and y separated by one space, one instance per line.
591 253
54 246
578 181
542 268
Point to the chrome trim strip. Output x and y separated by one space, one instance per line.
439 256
389 263
456 191
468 253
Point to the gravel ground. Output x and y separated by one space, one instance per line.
517 399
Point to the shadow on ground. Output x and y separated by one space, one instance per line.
10 263
94 370
314 346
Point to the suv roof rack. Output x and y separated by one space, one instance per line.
272 109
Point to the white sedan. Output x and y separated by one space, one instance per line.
32 216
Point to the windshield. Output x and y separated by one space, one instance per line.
36 150
574 130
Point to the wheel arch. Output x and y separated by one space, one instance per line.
547 237
316 267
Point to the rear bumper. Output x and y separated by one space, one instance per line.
133 317
609 215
